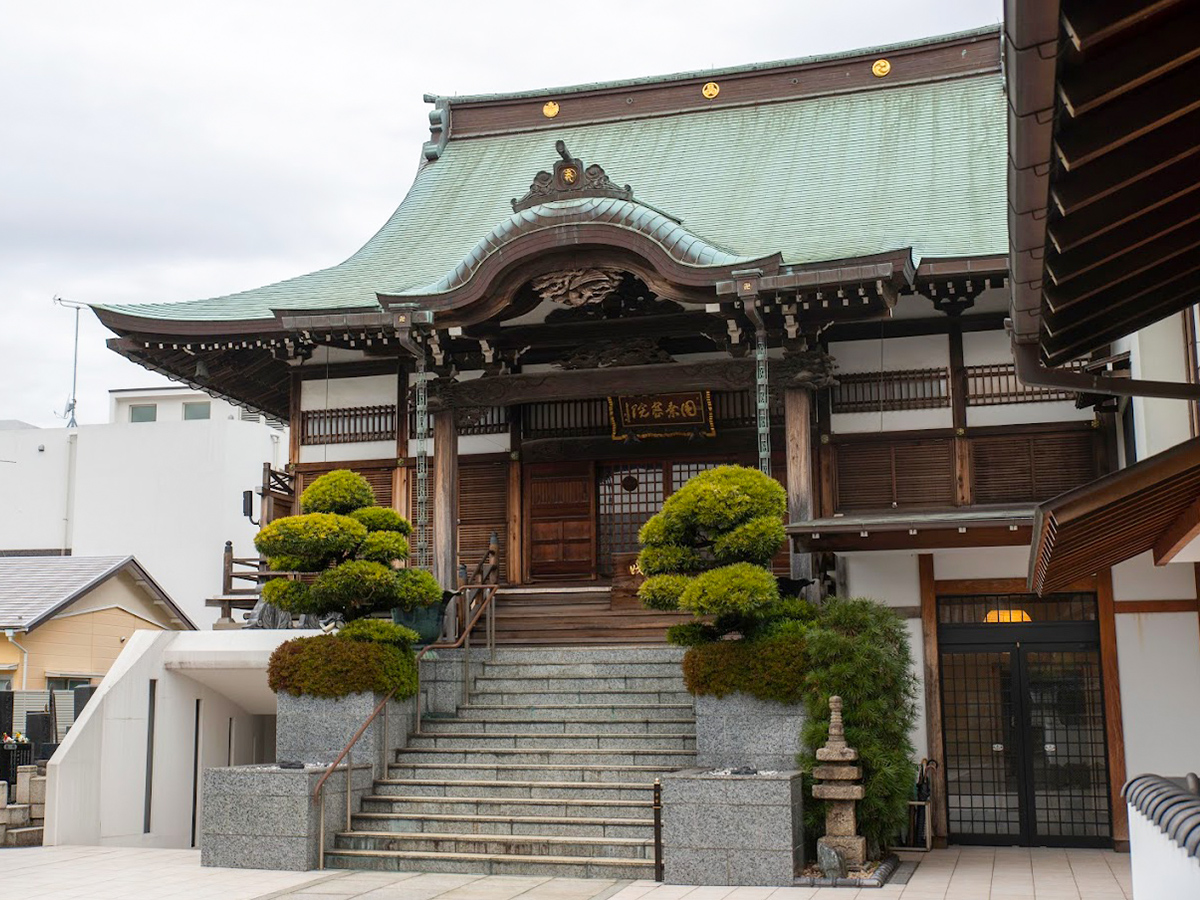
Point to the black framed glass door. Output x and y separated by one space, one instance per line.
1026 757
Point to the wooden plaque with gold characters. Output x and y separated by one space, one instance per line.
687 414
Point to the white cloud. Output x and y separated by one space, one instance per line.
160 151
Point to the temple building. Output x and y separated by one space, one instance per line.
590 294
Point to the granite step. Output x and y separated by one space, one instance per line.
528 772
636 725
591 654
538 698
584 669
491 864
477 805
449 823
508 844
16 815
567 681
30 836
551 757
574 712
493 740
497 789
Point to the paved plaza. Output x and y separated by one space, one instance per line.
117 873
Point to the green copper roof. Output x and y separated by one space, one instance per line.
815 179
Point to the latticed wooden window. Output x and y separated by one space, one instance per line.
348 425
875 391
996 384
1031 468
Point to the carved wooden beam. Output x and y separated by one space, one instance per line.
811 369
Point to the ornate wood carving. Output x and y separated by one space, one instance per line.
570 180
606 354
577 287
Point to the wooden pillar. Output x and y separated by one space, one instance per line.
958 407
1113 722
797 426
933 699
296 383
445 500
515 559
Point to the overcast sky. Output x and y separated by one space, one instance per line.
172 149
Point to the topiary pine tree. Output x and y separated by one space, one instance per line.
708 549
359 549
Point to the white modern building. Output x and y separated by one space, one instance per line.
161 481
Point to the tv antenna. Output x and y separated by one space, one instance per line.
69 410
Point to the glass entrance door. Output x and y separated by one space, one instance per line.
1026 757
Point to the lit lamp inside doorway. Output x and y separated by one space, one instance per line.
1006 616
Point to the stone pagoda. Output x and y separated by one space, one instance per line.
838 779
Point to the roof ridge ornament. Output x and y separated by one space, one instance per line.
570 180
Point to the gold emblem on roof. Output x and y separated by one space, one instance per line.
550 109
569 174
880 68
710 90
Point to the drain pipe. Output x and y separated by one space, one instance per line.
1030 371
8 633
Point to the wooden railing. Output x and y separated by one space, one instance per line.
875 391
348 425
995 384
474 598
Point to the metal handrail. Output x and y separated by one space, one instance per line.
488 590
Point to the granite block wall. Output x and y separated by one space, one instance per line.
740 730
731 829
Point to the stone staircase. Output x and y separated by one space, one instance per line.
549 770
21 823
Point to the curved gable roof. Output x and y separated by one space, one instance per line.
919 164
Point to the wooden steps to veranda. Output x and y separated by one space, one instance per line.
576 615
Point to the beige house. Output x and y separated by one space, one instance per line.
65 619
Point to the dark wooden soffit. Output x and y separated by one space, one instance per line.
937 60
914 530
1153 505
252 376
1104 143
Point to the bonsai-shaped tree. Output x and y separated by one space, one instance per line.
360 550
708 549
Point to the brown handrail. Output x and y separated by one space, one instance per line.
464 639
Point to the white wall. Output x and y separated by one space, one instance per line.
168 403
96 780
338 393
1162 870
892 354
1158 353
35 477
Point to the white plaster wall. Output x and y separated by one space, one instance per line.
338 393
924 351
95 785
169 493
1158 655
1162 870
35 479
981 562
169 403
892 578
1140 579
1158 353
470 444
347 452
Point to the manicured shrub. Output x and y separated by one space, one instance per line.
357 588
416 587
340 491
378 630
692 634
755 541
707 549
859 650
382 518
741 588
663 558
311 541
290 596
387 547
770 669
662 591
330 666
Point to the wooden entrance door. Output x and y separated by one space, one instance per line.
561 536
